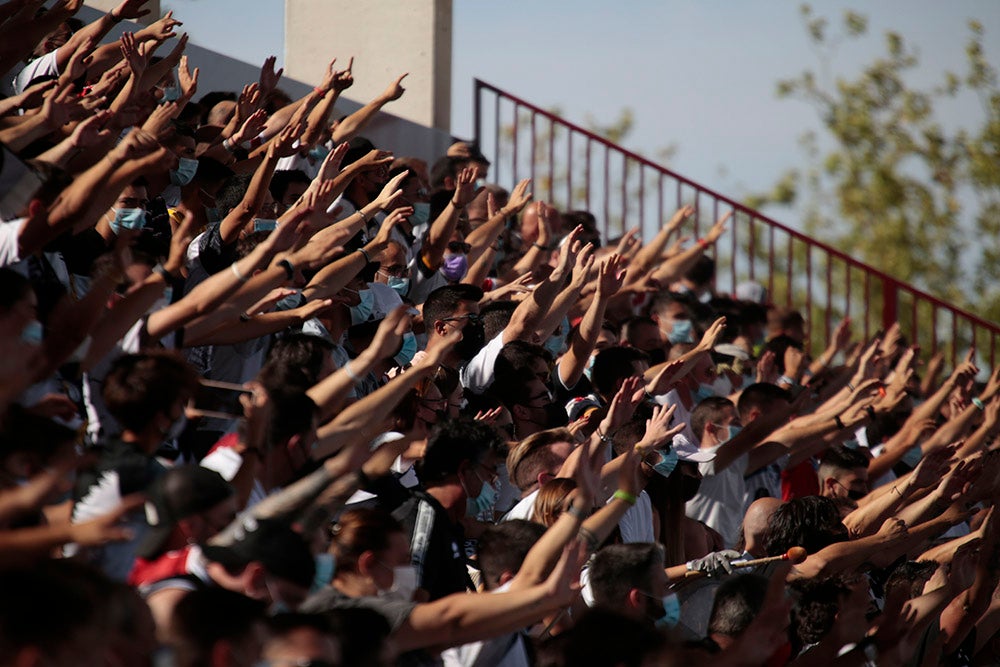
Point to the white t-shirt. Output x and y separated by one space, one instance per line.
681 414
719 501
44 66
637 523
477 375
9 247
503 651
523 509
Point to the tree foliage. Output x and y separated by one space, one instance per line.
887 181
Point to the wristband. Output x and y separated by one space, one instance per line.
850 386
364 253
574 511
364 217
784 379
161 270
626 496
542 247
839 422
320 90
228 145
704 244
351 374
288 267
589 538
603 437
976 401
236 272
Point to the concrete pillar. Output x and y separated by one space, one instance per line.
107 5
386 38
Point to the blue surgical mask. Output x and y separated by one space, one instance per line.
361 312
556 343
702 392
421 214
33 332
319 152
127 218
264 225
326 565
671 611
409 349
171 94
455 267
480 183
668 461
400 284
484 502
590 365
185 171
681 332
731 431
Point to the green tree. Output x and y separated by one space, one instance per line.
895 187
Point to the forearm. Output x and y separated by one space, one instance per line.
574 362
440 233
121 318
867 518
546 551
480 268
348 128
319 118
244 212
331 391
558 310
334 277
237 330
21 135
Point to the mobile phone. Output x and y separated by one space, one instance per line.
220 400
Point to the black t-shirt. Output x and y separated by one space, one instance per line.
435 545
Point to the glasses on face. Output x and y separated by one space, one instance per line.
396 270
473 318
459 246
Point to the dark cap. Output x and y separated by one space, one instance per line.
181 492
273 544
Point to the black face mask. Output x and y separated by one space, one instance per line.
473 339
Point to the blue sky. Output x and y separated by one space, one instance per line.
699 75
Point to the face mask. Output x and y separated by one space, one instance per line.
681 333
702 392
731 432
361 312
127 218
404 583
671 611
401 285
176 428
33 332
171 94
264 225
185 171
319 152
455 267
722 386
409 349
326 565
668 461
555 345
473 339
590 365
421 214
483 503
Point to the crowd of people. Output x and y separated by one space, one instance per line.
275 395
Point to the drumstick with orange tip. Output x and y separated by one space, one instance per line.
795 555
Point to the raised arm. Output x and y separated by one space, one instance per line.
351 126
610 278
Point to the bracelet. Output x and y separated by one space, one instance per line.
364 216
320 89
839 422
236 272
704 244
589 538
288 267
161 270
850 386
575 511
543 247
976 401
626 496
603 437
898 492
228 145
244 317
784 379
351 374
364 253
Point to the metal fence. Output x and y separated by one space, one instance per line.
573 168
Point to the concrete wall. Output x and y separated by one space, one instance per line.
402 135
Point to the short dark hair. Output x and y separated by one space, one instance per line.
139 386
295 360
283 178
709 411
443 302
737 602
763 396
812 522
619 568
815 609
208 615
613 364
702 272
503 547
778 345
496 316
842 457
292 413
604 638
452 443
911 575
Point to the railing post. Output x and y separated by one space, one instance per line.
476 83
890 302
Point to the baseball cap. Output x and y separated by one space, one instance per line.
273 544
181 492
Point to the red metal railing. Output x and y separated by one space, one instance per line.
573 168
